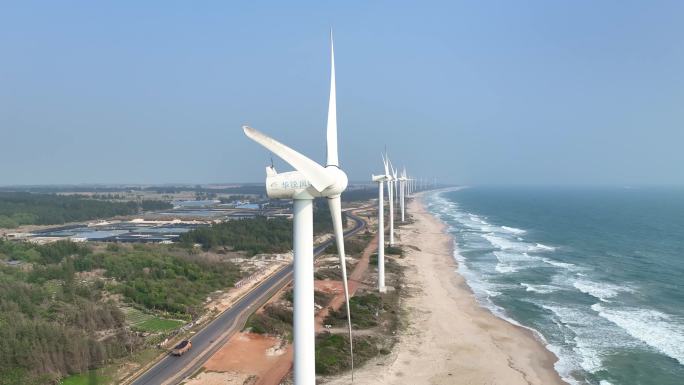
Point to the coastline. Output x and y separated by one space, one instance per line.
449 338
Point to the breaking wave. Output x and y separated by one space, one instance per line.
652 327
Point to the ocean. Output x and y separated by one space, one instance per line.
597 273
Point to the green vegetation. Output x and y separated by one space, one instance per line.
158 325
23 208
395 250
351 246
378 314
148 322
58 315
332 352
365 311
92 377
151 276
275 319
155 205
255 235
322 298
362 194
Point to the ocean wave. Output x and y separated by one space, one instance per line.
542 289
602 291
540 246
564 265
505 268
503 256
503 243
582 348
513 230
484 290
652 327
565 364
511 262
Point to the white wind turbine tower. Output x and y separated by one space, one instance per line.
310 180
402 192
395 183
380 180
391 194
409 185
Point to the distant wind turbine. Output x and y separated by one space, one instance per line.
380 180
402 192
391 181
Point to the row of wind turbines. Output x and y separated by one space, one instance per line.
311 180
400 186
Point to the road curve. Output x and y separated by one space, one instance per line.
172 370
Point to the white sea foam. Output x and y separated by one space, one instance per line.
510 262
504 243
604 382
584 349
602 291
565 364
564 265
505 268
544 247
500 241
542 289
513 230
657 330
514 257
483 290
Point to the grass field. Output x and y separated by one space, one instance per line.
158 325
90 378
148 322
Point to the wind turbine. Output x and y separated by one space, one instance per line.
395 182
390 194
402 192
380 180
310 180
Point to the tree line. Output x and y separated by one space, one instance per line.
24 208
256 235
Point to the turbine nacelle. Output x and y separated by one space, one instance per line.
294 184
379 178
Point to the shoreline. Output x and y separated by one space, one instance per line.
449 337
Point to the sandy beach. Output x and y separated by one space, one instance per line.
450 339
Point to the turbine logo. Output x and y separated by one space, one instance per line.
295 184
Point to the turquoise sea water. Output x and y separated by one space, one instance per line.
598 273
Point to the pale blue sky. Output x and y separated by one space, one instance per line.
524 92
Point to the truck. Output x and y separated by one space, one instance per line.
181 348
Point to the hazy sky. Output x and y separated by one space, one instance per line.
525 92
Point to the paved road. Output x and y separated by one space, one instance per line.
172 370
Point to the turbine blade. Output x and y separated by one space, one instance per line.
384 161
336 213
331 132
316 174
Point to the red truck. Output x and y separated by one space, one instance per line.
181 348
